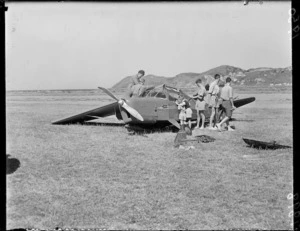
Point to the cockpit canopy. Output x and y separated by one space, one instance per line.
164 92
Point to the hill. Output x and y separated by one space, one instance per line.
255 76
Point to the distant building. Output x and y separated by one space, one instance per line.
240 74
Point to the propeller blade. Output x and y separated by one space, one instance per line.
122 103
132 111
109 93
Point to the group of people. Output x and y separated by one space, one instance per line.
214 97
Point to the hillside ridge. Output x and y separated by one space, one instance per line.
266 76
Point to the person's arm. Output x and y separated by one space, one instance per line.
204 91
211 88
231 98
195 95
218 91
135 79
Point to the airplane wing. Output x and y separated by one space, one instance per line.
103 111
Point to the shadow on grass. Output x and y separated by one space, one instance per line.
135 129
12 164
103 124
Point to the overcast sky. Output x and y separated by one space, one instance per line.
85 45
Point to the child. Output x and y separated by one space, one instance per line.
188 113
181 106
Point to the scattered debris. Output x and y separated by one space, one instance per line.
190 147
12 164
186 148
205 138
264 145
181 138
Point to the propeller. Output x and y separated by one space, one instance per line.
123 104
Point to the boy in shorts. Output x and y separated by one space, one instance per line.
181 106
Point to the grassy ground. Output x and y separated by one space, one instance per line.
100 177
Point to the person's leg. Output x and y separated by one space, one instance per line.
190 123
198 119
217 116
228 112
225 120
229 127
203 120
181 125
212 117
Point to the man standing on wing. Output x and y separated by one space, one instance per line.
213 98
134 80
227 103
136 89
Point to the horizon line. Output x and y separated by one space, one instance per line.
146 75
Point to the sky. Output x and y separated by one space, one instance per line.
69 45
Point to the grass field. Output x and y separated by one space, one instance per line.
100 177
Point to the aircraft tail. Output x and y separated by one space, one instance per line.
242 102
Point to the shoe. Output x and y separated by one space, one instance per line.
212 128
202 128
230 129
196 127
218 127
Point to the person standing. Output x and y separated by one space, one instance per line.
213 100
227 103
188 114
134 80
181 103
200 103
